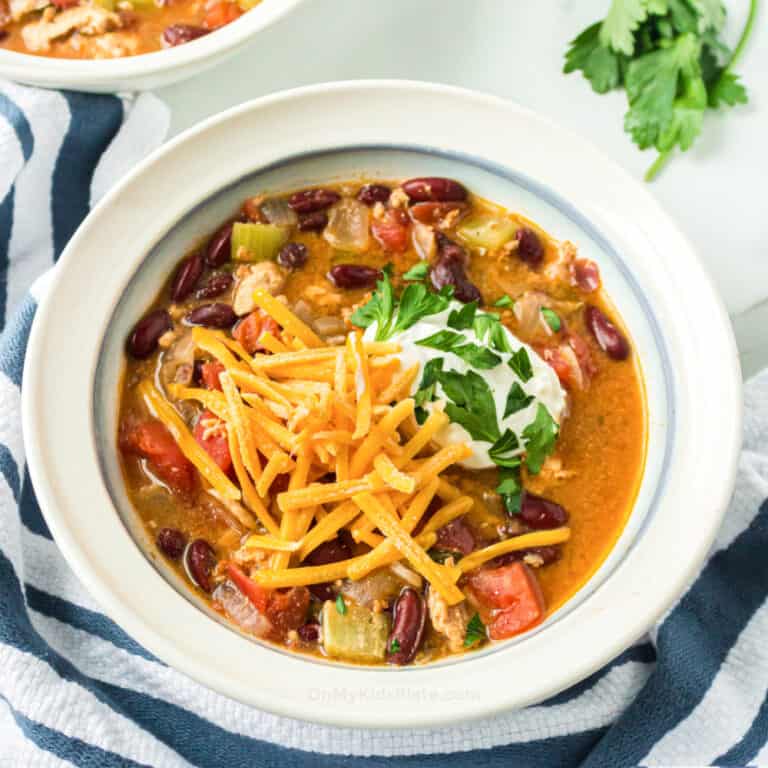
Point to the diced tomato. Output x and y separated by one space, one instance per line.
559 363
210 372
255 593
583 355
392 230
514 597
285 610
216 444
152 441
249 330
585 275
221 14
434 213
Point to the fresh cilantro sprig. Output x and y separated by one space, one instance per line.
668 56
472 354
393 315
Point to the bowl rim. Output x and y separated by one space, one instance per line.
102 73
711 313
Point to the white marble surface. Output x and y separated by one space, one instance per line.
514 48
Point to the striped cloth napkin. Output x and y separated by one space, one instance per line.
76 690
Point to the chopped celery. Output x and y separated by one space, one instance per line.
488 232
256 242
356 635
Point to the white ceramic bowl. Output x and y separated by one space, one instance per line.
149 70
113 266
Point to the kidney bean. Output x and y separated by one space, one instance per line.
212 316
351 276
219 247
585 275
309 632
529 247
293 255
176 34
186 277
313 222
371 194
200 560
311 200
171 542
457 536
609 338
434 213
435 189
143 339
332 551
3 34
409 617
539 513
548 554
450 269
215 286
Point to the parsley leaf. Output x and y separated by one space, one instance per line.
504 302
341 606
426 390
417 271
668 56
472 404
462 319
517 399
552 318
378 309
417 302
539 436
505 451
475 631
488 328
520 363
472 354
510 489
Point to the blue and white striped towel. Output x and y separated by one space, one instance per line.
76 690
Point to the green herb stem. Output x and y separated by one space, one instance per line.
658 164
745 35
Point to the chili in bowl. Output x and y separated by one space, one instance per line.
360 417
265 474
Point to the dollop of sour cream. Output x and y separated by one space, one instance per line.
544 385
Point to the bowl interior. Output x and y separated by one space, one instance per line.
513 190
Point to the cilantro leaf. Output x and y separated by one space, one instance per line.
417 271
461 319
599 63
539 439
552 318
417 302
727 90
472 354
378 309
426 390
472 405
520 363
504 452
624 17
517 399
475 631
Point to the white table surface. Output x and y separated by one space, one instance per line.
718 191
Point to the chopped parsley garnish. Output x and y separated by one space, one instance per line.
472 404
417 271
426 390
393 315
552 318
475 631
668 56
472 354
517 399
510 489
462 319
394 646
341 606
488 328
520 363
505 451
504 302
539 439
